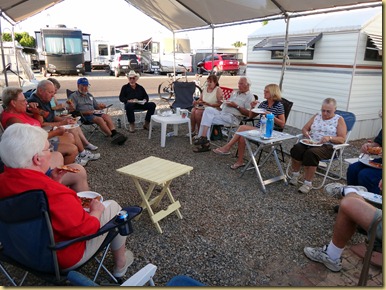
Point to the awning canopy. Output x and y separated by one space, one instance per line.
20 10
376 40
297 42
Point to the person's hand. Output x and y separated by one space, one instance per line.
57 174
232 104
325 139
102 106
96 208
254 104
380 185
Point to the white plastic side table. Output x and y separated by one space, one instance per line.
174 120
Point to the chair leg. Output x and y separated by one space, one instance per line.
366 260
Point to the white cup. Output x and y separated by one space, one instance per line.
178 111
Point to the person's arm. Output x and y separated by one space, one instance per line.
145 95
123 95
279 120
307 127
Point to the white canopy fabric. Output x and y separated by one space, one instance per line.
178 15
19 10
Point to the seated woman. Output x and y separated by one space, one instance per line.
16 112
326 128
211 96
26 171
272 104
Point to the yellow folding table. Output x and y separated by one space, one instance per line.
156 172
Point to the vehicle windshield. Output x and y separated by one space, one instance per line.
128 56
60 45
228 57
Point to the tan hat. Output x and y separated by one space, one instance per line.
132 74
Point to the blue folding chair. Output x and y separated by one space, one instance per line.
324 168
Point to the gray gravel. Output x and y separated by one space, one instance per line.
231 233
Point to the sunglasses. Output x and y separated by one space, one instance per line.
326 111
132 78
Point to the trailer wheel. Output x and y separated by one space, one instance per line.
117 73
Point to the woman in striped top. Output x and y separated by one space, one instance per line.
272 104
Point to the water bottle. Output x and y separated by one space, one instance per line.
269 126
263 124
119 123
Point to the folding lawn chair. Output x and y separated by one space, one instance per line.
27 239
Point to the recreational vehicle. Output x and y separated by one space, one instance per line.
157 56
336 55
60 50
102 53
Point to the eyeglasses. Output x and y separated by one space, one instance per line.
326 111
22 100
51 148
131 78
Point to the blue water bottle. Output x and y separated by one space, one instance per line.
269 127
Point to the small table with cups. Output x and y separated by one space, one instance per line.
170 119
276 139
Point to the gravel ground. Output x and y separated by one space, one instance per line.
231 233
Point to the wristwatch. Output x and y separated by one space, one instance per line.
330 138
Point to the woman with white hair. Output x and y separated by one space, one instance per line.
26 154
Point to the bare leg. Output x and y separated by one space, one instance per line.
295 165
108 121
236 138
193 120
77 139
119 257
309 172
69 152
198 118
102 124
353 211
76 181
241 152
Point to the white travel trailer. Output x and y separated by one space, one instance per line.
102 53
335 55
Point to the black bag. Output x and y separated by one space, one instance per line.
216 133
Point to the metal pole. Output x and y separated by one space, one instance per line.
285 52
15 51
174 55
2 51
212 47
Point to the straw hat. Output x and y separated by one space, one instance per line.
132 74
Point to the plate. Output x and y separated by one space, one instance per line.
142 102
367 162
305 143
258 110
254 133
376 198
89 194
98 113
70 126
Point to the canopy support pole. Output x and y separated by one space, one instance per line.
285 52
212 46
2 51
174 56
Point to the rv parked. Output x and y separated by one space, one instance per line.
336 55
60 50
102 54
157 56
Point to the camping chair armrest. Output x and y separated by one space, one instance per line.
340 146
141 277
133 211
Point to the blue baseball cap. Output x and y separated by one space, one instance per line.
83 82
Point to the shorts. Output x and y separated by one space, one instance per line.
89 118
378 234
55 142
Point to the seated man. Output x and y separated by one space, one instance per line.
354 211
84 102
130 94
43 95
26 171
238 105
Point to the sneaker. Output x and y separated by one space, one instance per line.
336 189
294 180
304 188
91 147
118 273
89 156
79 160
320 255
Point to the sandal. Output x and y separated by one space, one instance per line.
236 166
218 151
202 148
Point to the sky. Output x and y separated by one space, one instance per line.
118 22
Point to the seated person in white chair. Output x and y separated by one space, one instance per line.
130 94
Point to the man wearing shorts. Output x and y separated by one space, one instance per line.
85 103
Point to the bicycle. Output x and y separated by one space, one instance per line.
166 88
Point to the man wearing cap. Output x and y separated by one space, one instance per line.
135 97
84 102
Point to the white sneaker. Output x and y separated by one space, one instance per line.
337 189
91 147
320 255
89 156
304 188
294 179
79 160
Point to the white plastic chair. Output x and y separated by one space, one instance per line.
139 120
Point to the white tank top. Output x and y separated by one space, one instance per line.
210 97
321 128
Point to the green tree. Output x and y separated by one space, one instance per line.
23 38
239 44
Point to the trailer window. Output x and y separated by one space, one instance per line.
103 49
63 45
73 45
293 54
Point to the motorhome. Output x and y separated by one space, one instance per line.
335 55
60 50
159 55
102 53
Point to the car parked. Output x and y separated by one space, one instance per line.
123 63
221 62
